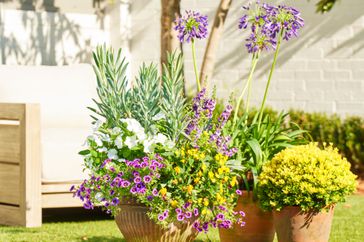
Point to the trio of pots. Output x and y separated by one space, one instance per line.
290 224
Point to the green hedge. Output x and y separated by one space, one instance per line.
346 134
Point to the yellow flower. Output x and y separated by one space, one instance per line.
189 189
174 203
177 169
204 211
199 200
183 161
197 179
233 181
199 173
175 182
205 202
203 167
163 191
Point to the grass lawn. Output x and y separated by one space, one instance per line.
68 225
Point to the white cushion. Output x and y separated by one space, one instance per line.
63 93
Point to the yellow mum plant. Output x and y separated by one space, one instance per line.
305 176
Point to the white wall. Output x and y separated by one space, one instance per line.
60 36
323 70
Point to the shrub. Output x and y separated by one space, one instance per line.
305 176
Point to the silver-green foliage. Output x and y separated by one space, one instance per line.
114 97
146 99
173 102
146 96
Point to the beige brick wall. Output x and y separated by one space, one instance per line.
323 70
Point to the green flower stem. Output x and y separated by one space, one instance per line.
247 86
195 65
261 111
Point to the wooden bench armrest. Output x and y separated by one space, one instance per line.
20 164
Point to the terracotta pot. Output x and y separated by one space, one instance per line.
259 225
135 225
294 225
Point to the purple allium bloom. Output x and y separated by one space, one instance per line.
180 217
239 192
147 179
195 212
192 25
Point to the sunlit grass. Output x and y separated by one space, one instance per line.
75 225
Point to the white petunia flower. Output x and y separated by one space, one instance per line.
149 145
112 154
121 160
102 149
141 136
160 138
116 131
96 125
99 196
131 141
170 144
133 125
119 142
158 116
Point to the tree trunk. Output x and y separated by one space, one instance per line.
209 58
169 40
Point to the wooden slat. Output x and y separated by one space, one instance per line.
9 184
10 215
12 111
30 167
9 143
58 187
60 200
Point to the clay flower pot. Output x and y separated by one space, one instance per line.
135 225
293 225
258 227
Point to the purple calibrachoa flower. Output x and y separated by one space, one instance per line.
191 26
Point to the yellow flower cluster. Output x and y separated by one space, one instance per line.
305 176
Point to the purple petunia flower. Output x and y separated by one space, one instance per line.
180 217
191 26
155 192
125 183
178 210
147 179
150 198
220 216
115 201
195 212
188 214
239 192
161 217
137 179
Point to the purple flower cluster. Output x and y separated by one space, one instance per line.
134 180
267 22
192 25
203 108
219 221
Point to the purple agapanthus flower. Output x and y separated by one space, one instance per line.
267 22
191 26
